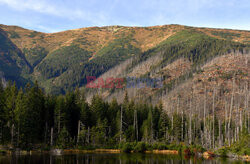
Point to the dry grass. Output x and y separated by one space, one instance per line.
174 152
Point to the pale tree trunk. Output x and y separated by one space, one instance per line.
246 108
213 118
190 123
240 121
136 125
230 114
237 121
88 136
51 137
225 138
182 126
248 126
219 133
121 126
178 104
45 135
210 131
12 134
204 112
78 131
166 133
172 119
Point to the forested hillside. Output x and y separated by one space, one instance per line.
61 61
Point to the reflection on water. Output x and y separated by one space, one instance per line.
109 159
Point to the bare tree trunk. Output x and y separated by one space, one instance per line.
51 137
235 133
240 121
213 118
219 134
237 122
210 131
136 125
45 135
190 123
172 127
12 134
231 108
225 120
152 129
178 104
88 135
78 131
166 133
246 108
248 122
205 104
182 126
121 126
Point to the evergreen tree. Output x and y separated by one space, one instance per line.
164 125
3 118
64 140
31 112
59 114
21 106
72 114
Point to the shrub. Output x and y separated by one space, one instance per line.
126 147
245 151
199 148
140 147
222 151
162 146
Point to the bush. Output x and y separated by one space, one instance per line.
140 147
199 148
159 146
126 147
178 147
222 151
244 151
242 146
162 146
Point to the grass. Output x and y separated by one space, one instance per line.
226 35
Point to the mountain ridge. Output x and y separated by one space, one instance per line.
95 50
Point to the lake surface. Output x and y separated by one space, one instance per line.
109 159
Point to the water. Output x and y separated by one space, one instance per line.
109 159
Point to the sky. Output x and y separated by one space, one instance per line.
59 15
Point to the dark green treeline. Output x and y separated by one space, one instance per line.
31 119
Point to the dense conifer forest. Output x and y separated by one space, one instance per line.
31 119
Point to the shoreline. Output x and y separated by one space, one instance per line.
205 155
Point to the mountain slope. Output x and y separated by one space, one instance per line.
12 61
61 61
